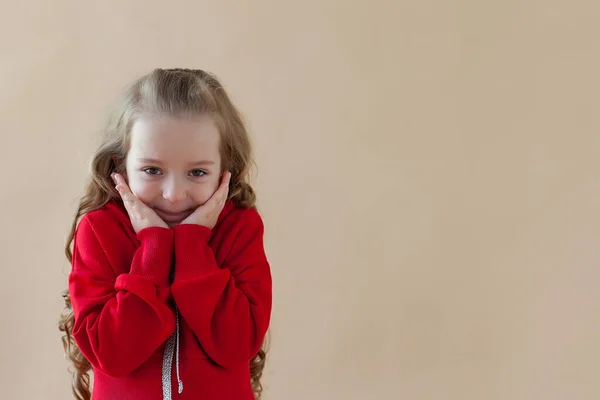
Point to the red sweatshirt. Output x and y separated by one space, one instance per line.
125 313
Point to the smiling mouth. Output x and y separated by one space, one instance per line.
168 216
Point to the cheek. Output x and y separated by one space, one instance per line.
144 190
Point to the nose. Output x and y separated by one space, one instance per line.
174 190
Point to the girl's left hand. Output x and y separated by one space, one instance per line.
208 213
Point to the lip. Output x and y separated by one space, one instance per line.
169 216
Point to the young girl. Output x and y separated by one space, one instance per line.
170 287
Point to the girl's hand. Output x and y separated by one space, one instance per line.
208 213
140 214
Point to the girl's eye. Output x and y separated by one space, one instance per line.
197 173
152 171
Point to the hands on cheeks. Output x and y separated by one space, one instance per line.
208 213
142 216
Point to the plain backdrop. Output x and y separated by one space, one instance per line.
427 172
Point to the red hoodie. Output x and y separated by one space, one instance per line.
124 288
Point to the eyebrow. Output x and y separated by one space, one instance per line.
155 161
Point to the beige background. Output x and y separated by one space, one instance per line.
428 174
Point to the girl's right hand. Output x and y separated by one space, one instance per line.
140 214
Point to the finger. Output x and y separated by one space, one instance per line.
126 195
121 184
223 191
123 189
119 180
225 181
227 177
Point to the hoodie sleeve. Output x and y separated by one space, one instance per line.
120 318
228 307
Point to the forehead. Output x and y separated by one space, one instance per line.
170 139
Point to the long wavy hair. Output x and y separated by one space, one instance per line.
178 93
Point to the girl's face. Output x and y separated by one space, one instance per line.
173 164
